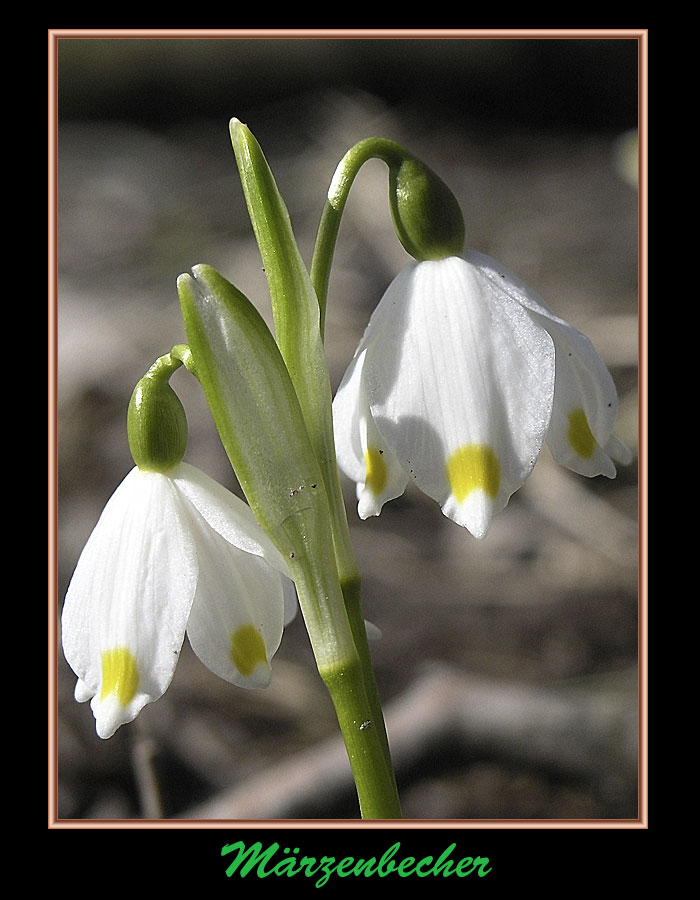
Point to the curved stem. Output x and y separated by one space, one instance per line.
392 154
321 263
182 354
371 148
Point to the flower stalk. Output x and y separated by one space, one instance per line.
425 212
298 317
428 222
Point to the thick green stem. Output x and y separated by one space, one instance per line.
363 733
352 595
335 640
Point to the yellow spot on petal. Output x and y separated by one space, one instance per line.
247 649
120 675
472 467
579 434
375 474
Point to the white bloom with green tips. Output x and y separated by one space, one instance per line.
172 552
460 377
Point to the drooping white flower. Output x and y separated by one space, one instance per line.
172 552
460 377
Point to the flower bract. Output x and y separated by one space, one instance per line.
172 552
461 376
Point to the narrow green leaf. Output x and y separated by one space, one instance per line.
297 317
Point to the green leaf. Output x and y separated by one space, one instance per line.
296 315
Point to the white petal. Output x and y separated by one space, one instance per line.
83 692
129 599
227 514
237 618
618 450
505 281
291 601
235 521
585 400
460 382
585 405
346 421
362 452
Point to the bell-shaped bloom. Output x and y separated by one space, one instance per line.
460 377
172 552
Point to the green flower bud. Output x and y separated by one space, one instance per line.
427 217
156 421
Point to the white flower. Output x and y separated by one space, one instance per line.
460 377
171 552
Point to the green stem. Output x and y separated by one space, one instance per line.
364 738
352 596
181 354
339 642
371 148
354 698
392 154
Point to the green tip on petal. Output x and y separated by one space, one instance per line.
427 217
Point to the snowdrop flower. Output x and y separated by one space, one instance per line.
460 377
172 552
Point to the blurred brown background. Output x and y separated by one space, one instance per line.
508 667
